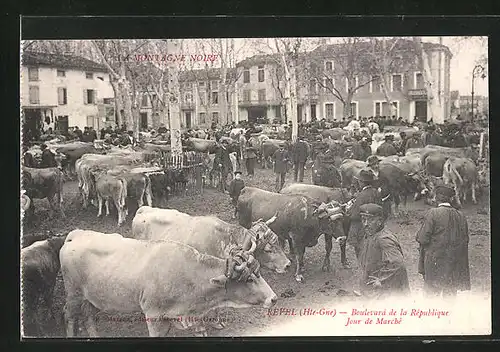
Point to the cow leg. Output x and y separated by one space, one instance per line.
473 189
119 210
457 193
107 206
149 197
343 258
397 201
100 200
328 250
89 312
299 249
72 310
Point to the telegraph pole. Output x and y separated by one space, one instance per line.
476 71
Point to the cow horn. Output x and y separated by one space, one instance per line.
240 267
257 221
336 216
252 248
272 219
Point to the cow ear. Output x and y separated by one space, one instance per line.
219 281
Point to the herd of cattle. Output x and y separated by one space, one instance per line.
182 265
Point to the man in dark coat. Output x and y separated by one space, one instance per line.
222 162
86 137
366 149
387 148
444 242
250 157
368 194
78 133
280 166
300 154
402 144
431 136
415 141
28 159
235 187
93 134
381 259
48 158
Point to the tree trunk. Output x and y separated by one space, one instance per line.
175 111
118 103
434 100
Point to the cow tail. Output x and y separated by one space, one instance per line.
123 193
455 171
149 193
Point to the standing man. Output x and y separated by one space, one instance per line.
251 156
444 242
280 166
368 194
223 163
431 136
387 148
48 158
235 187
415 141
383 271
300 154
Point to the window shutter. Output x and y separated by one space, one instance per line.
60 96
85 101
94 96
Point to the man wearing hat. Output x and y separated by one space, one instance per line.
381 259
414 141
368 194
444 242
235 187
387 148
48 158
373 165
366 149
300 154
280 166
431 136
222 163
28 159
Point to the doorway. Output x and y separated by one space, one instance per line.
255 113
421 111
144 121
313 112
32 125
188 119
299 113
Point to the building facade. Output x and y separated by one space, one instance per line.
62 91
261 86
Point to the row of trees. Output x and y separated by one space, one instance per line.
358 61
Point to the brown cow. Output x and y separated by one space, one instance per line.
45 183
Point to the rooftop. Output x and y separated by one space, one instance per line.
31 58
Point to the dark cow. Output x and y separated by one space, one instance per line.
138 185
164 280
40 266
298 221
45 183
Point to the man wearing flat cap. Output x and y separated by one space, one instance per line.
368 194
381 259
48 158
387 148
444 242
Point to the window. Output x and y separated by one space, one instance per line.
329 66
90 121
188 97
215 98
356 84
89 96
61 73
261 73
34 93
107 101
375 84
380 108
278 111
396 108
201 84
227 97
89 75
144 101
203 98
246 95
354 109
262 94
215 117
62 97
419 80
397 83
214 85
33 74
246 76
313 87
187 85
203 117
329 111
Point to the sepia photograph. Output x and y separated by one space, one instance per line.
227 187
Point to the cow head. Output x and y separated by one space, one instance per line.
268 250
243 283
331 218
417 184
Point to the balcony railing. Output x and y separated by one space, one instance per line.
256 102
187 105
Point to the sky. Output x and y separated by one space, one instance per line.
466 51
